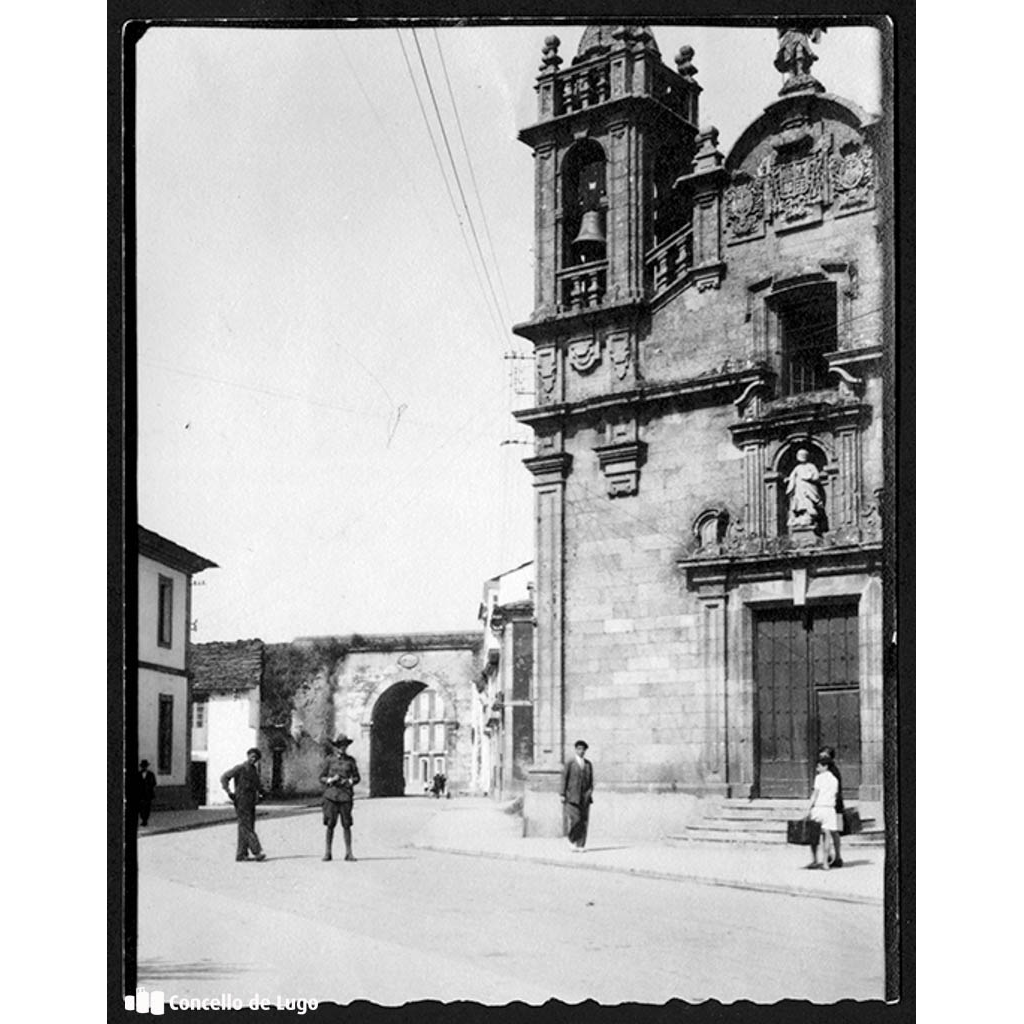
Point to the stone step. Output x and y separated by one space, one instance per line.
711 834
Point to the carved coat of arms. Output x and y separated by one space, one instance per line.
744 208
796 186
584 354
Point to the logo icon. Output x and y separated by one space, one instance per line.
145 1001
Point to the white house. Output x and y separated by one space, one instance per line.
225 711
164 613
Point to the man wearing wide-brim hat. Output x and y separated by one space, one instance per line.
339 775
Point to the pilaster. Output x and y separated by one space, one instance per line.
713 629
545 228
550 469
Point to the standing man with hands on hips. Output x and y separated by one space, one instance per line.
248 792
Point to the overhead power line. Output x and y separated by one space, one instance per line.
495 315
472 178
455 173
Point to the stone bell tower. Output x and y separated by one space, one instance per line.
616 128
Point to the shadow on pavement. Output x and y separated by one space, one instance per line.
360 857
294 856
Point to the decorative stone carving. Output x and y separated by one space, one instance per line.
806 495
709 532
795 57
684 63
547 373
550 60
852 177
584 354
797 188
620 352
621 458
751 401
744 209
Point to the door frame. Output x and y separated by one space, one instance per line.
739 603
805 613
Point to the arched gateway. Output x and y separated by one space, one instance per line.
405 701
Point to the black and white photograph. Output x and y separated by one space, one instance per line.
511 512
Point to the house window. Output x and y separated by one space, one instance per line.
807 330
165 612
199 714
424 769
165 733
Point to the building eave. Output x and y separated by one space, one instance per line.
165 551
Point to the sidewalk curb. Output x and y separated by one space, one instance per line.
729 883
265 815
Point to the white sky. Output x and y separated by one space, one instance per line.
322 393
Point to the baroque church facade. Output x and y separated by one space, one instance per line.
710 336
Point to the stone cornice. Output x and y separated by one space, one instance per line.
823 560
846 357
536 134
548 327
786 418
400 642
552 466
644 394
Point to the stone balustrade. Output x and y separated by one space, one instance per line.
582 287
577 90
669 261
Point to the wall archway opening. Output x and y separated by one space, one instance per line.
387 734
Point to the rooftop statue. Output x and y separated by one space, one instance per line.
795 57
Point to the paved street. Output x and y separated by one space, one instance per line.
406 924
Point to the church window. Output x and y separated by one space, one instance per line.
806 331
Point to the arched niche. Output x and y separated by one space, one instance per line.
584 191
793 494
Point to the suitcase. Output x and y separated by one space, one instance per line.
803 832
851 821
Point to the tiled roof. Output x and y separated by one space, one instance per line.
174 555
227 667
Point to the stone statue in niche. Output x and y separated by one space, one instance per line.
806 494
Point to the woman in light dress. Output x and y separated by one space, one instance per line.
823 810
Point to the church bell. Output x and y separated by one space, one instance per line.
591 234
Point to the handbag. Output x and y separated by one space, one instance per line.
803 832
851 821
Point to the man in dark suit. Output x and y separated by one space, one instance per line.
577 795
339 774
248 792
145 790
